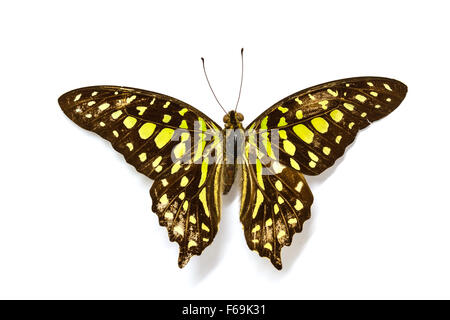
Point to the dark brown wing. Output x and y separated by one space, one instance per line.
315 125
303 133
166 140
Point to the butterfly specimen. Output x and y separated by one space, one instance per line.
193 161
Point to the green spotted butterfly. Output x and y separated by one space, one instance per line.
170 142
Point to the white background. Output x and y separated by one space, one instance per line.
75 219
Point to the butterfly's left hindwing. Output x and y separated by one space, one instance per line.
156 134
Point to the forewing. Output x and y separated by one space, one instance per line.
166 140
314 126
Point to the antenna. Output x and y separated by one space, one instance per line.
242 78
204 70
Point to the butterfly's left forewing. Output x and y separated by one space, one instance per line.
168 141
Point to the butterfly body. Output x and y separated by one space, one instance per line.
193 161
233 135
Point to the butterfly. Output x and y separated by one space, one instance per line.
189 157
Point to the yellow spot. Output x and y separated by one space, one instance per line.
388 99
320 124
204 170
264 123
158 169
289 147
282 134
202 197
183 111
268 246
294 164
259 177
185 136
333 93
299 114
166 118
282 122
179 150
363 115
377 106
183 124
281 234
298 205
255 241
163 199
103 106
102 124
91 103
313 156
277 167
130 146
153 101
116 114
192 243
299 186
276 209
130 99
184 181
268 222
205 239
312 164
360 98
205 227
311 97
349 106
156 162
146 130
88 115
350 125
115 133
143 156
175 168
292 221
192 219
116 92
279 185
370 84
77 97
168 215
304 133
326 150
338 139
163 137
179 230
166 104
164 182
185 205
298 100
324 104
256 228
283 110
373 93
280 200
182 195
387 86
336 115
129 122
259 200
141 110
